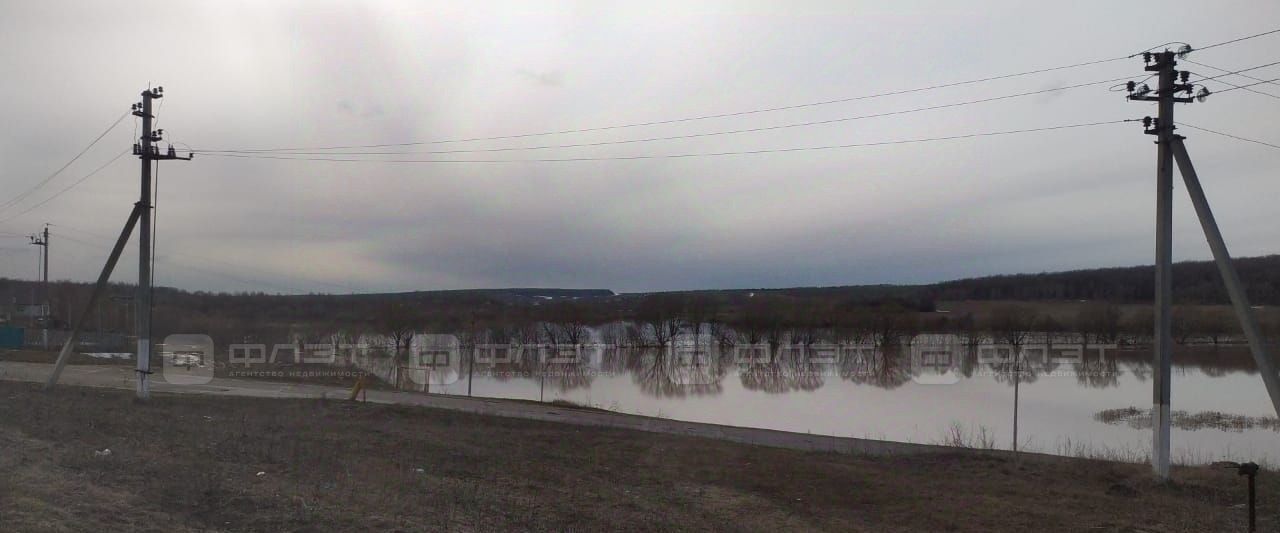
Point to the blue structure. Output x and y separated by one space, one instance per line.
11 337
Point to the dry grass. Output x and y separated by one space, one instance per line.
188 463
1139 418
310 373
976 437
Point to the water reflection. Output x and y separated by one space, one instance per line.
681 371
1055 387
671 373
886 367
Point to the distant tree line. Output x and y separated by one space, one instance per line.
1196 282
883 314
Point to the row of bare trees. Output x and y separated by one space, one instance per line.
658 319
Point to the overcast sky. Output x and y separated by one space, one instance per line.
313 74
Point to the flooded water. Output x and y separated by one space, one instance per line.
913 395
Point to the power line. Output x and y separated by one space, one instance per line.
1250 89
1223 69
1208 78
728 114
705 134
677 156
1220 69
204 259
1188 48
677 120
155 199
50 177
1234 87
1236 137
184 264
1223 43
67 188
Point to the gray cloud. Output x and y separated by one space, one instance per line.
252 75
552 78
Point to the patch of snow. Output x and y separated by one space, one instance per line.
110 355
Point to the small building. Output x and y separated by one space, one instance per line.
11 337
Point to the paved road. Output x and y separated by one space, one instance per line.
122 377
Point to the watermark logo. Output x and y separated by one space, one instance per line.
188 359
693 359
935 359
685 360
434 360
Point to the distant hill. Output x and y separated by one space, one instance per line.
1194 282
515 296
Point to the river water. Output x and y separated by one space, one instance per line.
1074 401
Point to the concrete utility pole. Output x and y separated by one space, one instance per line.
1235 290
1169 148
146 151
98 289
42 240
1162 64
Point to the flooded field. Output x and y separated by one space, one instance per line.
1070 400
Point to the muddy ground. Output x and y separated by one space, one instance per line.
189 463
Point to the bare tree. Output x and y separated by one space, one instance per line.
700 312
891 323
1011 324
567 323
399 321
1218 324
1099 322
661 316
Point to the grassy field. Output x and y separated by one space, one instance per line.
315 374
190 463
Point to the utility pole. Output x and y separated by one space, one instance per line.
42 240
1162 64
1170 147
147 152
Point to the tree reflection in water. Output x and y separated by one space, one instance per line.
780 370
887 367
669 373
